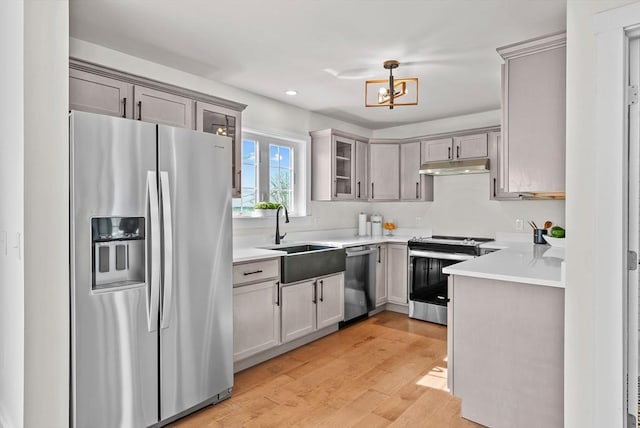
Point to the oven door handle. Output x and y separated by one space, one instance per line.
442 256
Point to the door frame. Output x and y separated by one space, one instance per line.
613 30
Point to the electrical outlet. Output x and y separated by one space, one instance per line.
519 225
418 221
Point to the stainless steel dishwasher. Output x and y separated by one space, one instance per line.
359 282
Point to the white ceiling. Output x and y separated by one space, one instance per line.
269 46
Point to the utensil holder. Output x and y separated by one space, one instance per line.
537 236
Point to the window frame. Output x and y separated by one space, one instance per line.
300 172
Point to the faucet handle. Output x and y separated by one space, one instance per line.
282 236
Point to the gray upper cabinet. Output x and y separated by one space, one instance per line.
99 94
533 124
498 176
384 172
437 150
455 148
410 183
115 93
161 107
223 121
337 173
470 146
362 170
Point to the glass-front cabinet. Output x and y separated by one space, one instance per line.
338 166
344 168
223 121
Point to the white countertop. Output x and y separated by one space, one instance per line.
248 252
517 262
251 254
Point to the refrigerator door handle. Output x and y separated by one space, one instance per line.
153 262
167 297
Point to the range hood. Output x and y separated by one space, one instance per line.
467 166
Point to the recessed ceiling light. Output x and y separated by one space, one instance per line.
291 92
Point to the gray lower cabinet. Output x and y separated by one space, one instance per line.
99 94
397 267
533 123
256 307
381 275
311 305
506 355
256 318
384 172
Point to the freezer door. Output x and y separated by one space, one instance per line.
196 336
114 381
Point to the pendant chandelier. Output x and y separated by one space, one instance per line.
392 92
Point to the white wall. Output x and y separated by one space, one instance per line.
461 206
586 400
46 222
11 215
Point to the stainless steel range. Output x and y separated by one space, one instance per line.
428 294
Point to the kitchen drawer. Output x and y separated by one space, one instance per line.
245 273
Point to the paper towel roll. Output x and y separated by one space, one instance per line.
362 224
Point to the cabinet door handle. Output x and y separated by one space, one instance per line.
494 187
358 190
124 104
372 191
252 273
418 190
379 251
322 290
448 152
335 185
458 152
139 110
277 293
315 292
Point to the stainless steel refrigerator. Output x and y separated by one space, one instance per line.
151 260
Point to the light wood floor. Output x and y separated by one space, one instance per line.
386 371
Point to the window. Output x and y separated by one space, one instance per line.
271 168
281 175
249 191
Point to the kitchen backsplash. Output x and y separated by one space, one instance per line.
461 206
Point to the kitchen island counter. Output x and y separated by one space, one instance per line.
520 262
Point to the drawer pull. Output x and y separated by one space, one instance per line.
252 273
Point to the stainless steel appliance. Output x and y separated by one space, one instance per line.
359 282
428 295
151 287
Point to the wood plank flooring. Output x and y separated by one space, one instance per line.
387 371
